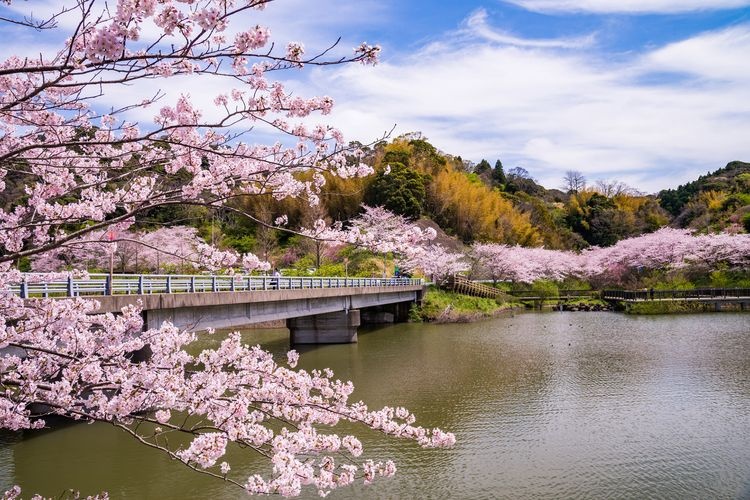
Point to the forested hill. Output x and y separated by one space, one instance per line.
487 202
475 202
713 201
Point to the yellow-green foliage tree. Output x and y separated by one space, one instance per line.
549 218
459 203
343 198
604 220
476 212
715 201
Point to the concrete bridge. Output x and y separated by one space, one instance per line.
316 310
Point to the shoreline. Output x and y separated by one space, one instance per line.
447 307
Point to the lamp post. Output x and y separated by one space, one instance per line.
111 237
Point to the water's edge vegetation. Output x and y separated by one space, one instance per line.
441 306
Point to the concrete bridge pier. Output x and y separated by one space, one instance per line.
338 327
386 314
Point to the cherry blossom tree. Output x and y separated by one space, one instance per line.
381 231
167 248
434 261
376 229
525 265
73 163
91 251
666 248
80 164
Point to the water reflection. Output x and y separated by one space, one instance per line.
557 405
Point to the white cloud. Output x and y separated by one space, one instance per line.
627 6
551 111
720 55
476 24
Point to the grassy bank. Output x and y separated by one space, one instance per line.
675 307
441 306
586 304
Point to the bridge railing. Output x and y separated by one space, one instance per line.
463 285
561 294
143 284
696 293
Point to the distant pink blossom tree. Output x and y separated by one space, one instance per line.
73 164
524 265
166 248
381 231
666 248
434 261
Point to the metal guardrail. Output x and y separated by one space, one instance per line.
561 294
694 294
143 284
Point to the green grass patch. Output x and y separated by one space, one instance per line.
586 302
442 306
668 307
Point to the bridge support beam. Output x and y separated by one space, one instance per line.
331 328
386 314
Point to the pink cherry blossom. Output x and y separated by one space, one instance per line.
79 168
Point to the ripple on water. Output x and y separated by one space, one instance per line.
559 405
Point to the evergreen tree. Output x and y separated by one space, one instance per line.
498 174
402 191
482 167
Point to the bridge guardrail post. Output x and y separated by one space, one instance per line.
169 284
213 284
140 284
192 284
69 286
108 285
24 289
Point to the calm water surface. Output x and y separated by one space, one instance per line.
554 405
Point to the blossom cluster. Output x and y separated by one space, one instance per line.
162 249
381 231
79 168
70 173
76 363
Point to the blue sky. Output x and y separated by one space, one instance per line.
653 93
649 92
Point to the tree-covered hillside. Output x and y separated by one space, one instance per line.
466 203
483 202
713 201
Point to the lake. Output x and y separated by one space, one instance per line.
543 405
